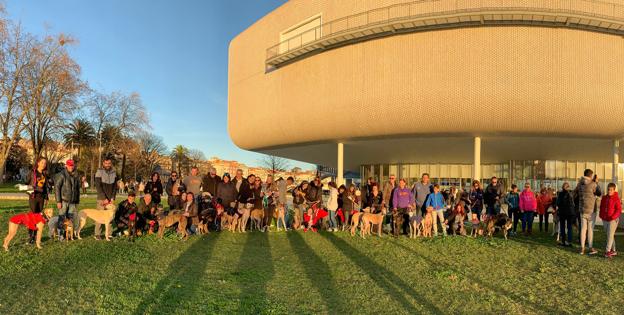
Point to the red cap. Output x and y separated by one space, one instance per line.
69 162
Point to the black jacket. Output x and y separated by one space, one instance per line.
40 183
226 193
565 204
154 189
374 202
244 193
209 184
67 187
123 212
492 195
313 194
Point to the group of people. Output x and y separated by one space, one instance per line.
307 210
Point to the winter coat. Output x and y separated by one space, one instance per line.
209 184
67 187
402 198
155 189
528 203
513 200
332 202
476 199
388 193
375 202
105 181
610 207
349 204
226 193
544 202
244 193
565 204
436 201
493 194
585 192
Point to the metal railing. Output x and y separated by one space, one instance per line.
431 8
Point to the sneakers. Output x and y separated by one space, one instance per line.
593 251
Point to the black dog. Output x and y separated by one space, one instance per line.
398 219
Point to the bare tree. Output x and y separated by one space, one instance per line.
151 148
274 163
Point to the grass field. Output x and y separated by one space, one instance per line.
306 273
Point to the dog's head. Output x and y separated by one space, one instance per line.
110 207
49 212
68 224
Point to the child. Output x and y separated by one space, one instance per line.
610 210
513 201
528 206
436 200
33 221
307 220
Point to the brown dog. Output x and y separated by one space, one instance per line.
355 219
428 223
69 229
257 216
244 219
499 222
99 216
370 219
280 215
170 221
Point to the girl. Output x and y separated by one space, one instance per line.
190 211
476 198
567 214
332 206
349 202
154 187
610 210
38 199
528 206
543 203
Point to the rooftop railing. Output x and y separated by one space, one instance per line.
594 15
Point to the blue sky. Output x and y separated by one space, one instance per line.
174 53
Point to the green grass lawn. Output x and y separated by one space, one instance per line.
306 273
8 187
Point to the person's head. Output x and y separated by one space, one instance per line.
527 186
131 196
69 165
375 188
304 185
147 198
402 183
392 178
436 188
565 186
212 171
332 185
290 180
342 189
309 212
514 188
174 175
611 189
476 184
494 181
226 178
425 178
252 178
107 164
352 189
257 183
155 177
369 180
41 164
189 196
194 171
461 204
183 196
239 173
588 173
317 181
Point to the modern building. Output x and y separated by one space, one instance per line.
526 90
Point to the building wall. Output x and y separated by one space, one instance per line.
514 80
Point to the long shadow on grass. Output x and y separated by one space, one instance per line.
538 308
396 288
318 273
186 271
254 271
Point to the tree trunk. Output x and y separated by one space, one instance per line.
123 167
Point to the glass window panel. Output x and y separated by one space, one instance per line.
434 171
444 173
551 170
580 168
393 170
571 170
527 170
608 171
560 169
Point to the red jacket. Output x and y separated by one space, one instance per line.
610 207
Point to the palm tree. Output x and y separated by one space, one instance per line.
179 155
79 132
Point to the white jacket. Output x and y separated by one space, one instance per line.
332 203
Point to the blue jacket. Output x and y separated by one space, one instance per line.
513 200
436 201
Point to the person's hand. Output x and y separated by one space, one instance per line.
59 205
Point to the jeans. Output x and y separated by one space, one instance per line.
332 220
438 215
610 227
542 218
527 223
68 210
515 214
493 209
565 223
587 229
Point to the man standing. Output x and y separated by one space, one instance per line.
421 190
193 184
67 194
173 191
586 193
238 179
492 196
105 179
210 182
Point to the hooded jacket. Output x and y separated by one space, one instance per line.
610 207
67 187
528 202
105 184
565 204
585 192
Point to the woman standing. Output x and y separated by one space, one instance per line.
38 199
332 206
543 203
226 193
528 206
154 187
349 204
374 200
567 214
340 213
476 199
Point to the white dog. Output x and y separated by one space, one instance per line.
99 216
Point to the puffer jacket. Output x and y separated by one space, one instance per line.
67 187
585 192
610 207
528 202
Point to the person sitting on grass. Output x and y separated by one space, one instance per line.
528 206
436 201
122 215
146 214
610 211
189 210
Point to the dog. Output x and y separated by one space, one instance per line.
52 222
370 219
280 215
416 224
296 220
500 222
244 218
355 219
171 220
99 216
132 230
455 225
397 218
477 228
68 226
427 223
257 216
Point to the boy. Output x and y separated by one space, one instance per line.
513 202
610 210
436 201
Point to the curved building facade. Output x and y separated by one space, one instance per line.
389 86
